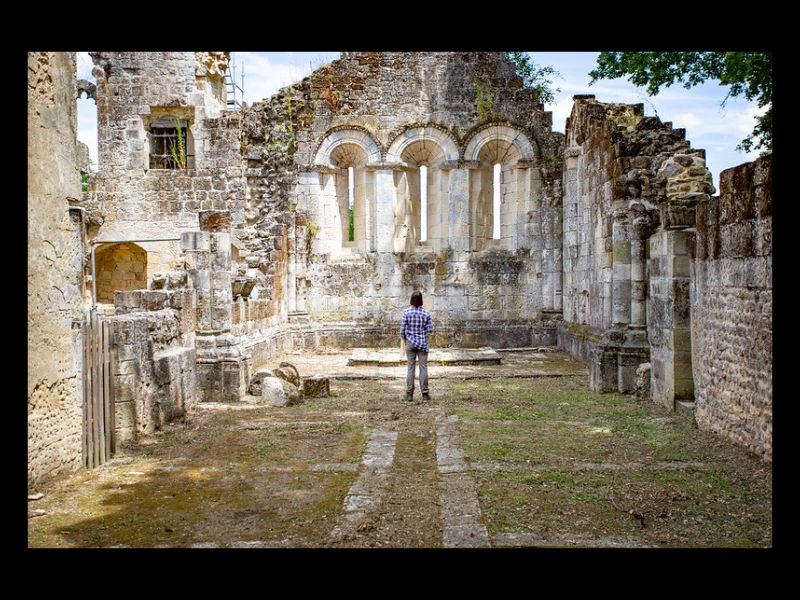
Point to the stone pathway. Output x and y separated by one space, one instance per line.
366 493
461 511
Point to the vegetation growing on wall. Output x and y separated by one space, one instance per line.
535 77
483 97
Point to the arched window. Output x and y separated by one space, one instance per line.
348 160
423 201
496 202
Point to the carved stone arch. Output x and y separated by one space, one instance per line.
350 135
499 134
445 142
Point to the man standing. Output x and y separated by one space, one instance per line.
414 329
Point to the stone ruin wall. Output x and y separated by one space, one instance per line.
127 199
379 102
622 170
731 308
631 187
54 266
154 373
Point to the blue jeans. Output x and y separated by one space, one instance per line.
411 355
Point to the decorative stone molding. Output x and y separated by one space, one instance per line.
212 64
504 133
445 142
338 137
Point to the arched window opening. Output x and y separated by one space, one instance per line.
423 201
496 202
347 198
119 267
351 198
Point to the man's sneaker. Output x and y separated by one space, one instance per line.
426 397
409 397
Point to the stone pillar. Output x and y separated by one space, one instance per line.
621 270
222 370
458 210
384 213
639 232
635 350
296 267
301 258
291 268
365 192
668 314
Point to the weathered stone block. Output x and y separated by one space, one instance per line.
278 392
316 387
257 378
642 384
288 372
196 241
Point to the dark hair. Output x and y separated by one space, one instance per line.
416 298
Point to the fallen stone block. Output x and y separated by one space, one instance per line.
256 380
316 387
642 384
288 372
278 392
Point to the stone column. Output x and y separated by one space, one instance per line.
384 213
458 225
365 191
668 318
621 270
222 370
635 350
291 268
639 232
301 257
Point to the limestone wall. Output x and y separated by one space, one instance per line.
54 269
630 185
385 115
129 200
731 308
153 359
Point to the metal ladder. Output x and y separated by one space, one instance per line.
234 99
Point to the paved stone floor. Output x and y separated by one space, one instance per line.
511 455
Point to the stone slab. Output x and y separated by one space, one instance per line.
445 356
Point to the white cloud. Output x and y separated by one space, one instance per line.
265 75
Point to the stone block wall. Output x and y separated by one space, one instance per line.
392 112
55 263
154 359
731 308
625 176
668 319
129 200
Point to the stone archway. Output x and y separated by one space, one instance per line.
119 267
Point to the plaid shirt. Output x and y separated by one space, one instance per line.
416 326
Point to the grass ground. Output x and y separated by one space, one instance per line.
551 461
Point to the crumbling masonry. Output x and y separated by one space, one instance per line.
223 237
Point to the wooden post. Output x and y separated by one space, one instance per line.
95 391
106 395
85 387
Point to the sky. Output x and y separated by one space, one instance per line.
709 126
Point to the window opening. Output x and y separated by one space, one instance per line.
423 203
351 200
168 146
496 203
